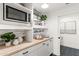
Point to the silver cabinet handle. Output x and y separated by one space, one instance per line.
47 44
25 52
44 43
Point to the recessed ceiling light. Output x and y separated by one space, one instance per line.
44 6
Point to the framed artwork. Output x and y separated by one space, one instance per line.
68 27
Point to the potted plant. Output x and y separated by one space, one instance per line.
8 37
43 18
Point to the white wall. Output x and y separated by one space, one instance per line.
70 40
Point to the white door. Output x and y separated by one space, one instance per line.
53 31
56 38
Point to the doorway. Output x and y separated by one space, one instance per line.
69 42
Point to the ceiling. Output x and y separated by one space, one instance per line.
52 7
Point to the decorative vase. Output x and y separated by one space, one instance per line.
20 39
7 44
28 36
15 42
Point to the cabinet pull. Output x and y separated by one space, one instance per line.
59 37
47 44
43 43
25 52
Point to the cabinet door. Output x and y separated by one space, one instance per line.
34 50
42 51
45 51
51 45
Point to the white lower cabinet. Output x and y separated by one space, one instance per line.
41 49
51 45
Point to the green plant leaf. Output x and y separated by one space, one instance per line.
8 36
43 17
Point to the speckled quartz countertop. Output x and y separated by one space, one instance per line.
6 51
